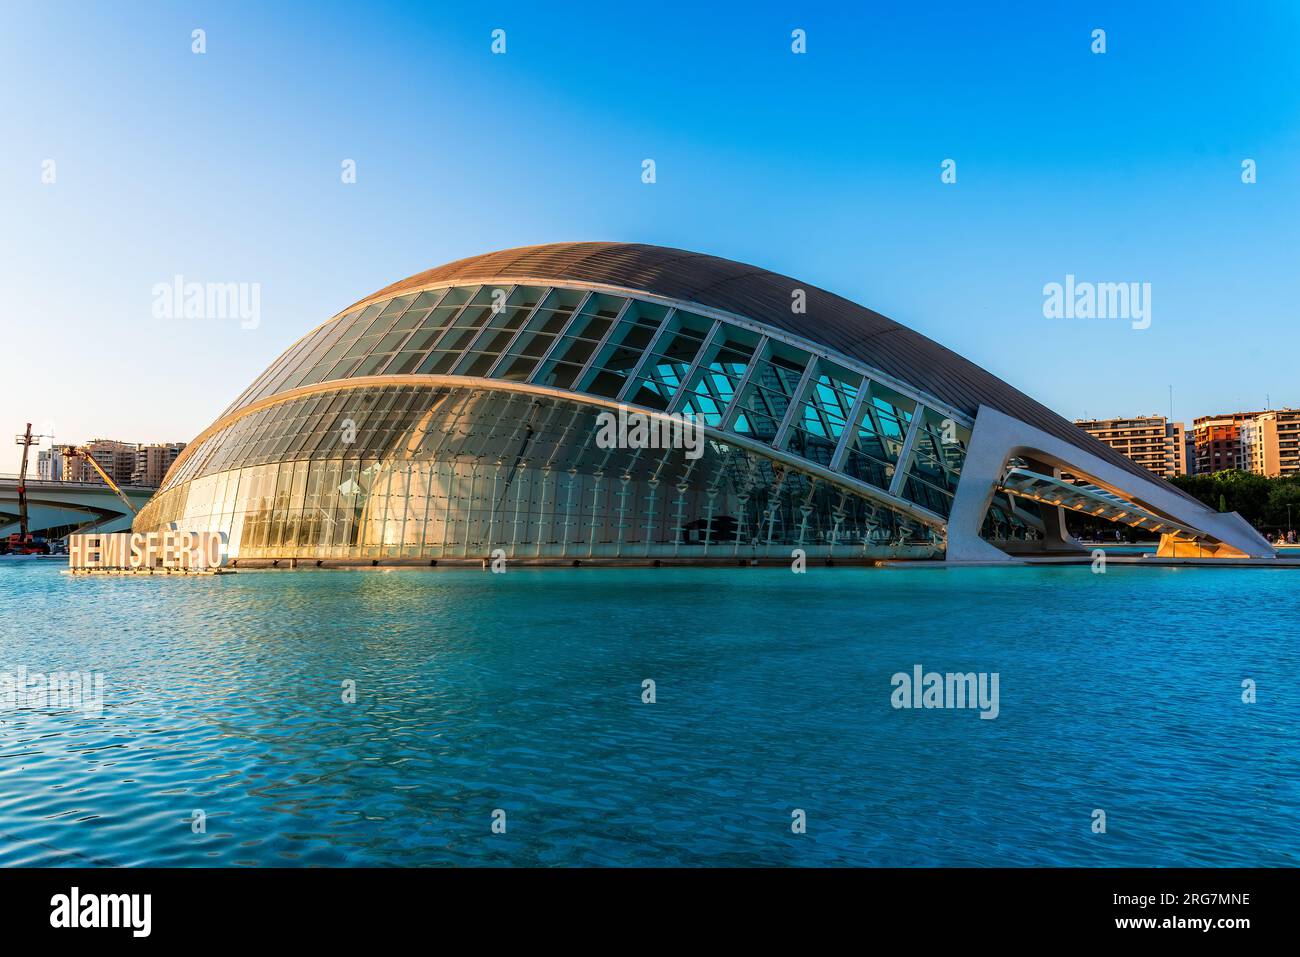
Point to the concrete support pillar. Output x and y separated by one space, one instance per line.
998 437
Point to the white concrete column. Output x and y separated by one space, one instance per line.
997 437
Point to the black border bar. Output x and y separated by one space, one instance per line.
332 906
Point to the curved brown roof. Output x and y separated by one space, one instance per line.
765 296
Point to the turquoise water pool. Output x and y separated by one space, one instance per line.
523 692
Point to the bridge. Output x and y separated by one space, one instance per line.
55 509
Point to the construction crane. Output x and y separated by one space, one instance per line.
26 440
77 451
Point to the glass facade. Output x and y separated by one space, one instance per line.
388 469
422 472
937 457
1005 524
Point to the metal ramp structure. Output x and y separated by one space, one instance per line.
1090 500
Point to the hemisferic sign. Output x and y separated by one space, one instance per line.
169 550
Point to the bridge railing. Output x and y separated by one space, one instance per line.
57 483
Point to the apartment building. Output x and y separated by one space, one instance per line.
1152 441
1270 443
49 465
152 462
1218 441
114 457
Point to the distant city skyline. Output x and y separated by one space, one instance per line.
133 160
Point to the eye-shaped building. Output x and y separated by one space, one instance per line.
457 414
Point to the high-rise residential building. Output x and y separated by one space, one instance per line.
127 463
1152 441
152 462
1270 443
1251 455
1175 449
1218 441
49 465
115 458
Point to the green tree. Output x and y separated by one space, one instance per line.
1283 493
1233 490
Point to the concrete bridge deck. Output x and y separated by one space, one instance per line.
88 506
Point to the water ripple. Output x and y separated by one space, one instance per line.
522 692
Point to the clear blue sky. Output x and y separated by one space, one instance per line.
225 167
